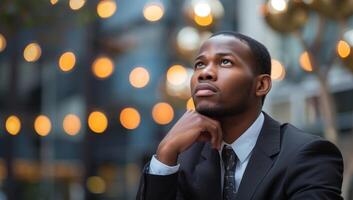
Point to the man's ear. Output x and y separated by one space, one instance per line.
263 85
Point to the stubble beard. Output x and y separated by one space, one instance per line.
220 111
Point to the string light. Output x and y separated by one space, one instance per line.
71 124
76 4
13 125
130 118
42 125
305 62
190 104
153 11
177 75
106 8
2 43
67 61
32 52
97 122
162 113
343 49
103 67
277 70
139 77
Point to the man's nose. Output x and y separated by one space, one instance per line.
208 73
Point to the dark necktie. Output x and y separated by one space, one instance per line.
230 161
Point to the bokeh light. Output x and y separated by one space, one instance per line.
277 70
42 125
343 49
32 52
97 122
203 21
153 11
178 84
96 185
76 4
53 2
202 9
103 67
305 62
130 118
71 124
2 43
139 77
190 104
188 39
67 61
176 75
277 6
162 113
13 125
106 8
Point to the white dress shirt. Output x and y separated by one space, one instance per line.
242 147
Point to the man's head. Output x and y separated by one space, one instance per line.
231 75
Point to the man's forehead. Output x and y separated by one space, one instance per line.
225 44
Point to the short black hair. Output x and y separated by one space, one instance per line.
262 58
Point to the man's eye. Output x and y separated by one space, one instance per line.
226 62
198 65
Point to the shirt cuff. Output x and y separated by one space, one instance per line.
159 168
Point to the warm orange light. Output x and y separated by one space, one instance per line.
277 70
53 2
72 124
76 4
32 52
67 61
190 104
130 118
162 113
103 67
305 62
343 49
139 77
2 42
106 8
13 125
177 75
42 125
203 21
97 122
153 11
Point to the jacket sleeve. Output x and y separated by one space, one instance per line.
153 187
316 172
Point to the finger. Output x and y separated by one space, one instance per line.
212 130
218 130
204 137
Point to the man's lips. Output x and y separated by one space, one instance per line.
204 89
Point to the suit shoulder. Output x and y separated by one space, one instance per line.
295 139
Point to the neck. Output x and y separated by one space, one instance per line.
234 126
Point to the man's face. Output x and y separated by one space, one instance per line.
223 83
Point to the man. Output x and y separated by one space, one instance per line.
228 148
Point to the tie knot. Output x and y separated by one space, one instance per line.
229 158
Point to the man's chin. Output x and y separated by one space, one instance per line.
211 112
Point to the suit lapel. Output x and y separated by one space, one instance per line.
267 145
208 175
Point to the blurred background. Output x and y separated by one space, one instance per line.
88 88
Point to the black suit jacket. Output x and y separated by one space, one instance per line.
286 163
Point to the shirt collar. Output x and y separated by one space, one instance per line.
246 142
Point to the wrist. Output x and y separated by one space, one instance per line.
166 154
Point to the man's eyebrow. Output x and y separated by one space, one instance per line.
218 54
199 57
